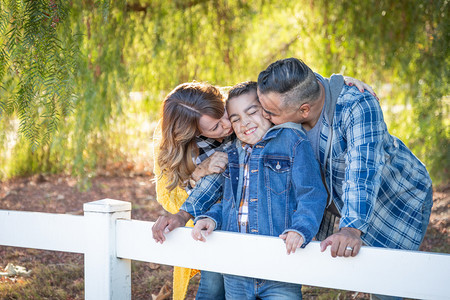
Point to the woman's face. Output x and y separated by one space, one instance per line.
215 128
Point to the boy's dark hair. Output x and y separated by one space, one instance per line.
241 89
291 78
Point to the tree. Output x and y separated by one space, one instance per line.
87 55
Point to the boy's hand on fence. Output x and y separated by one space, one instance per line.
166 224
202 229
346 242
293 241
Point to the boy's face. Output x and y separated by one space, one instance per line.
247 119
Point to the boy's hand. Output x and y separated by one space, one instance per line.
204 226
293 241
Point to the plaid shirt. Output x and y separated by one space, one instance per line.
243 207
378 185
207 147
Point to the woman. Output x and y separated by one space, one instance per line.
194 129
194 125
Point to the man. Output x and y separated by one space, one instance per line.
380 190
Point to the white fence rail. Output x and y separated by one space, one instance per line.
110 240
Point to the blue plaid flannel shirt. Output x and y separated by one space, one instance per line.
378 185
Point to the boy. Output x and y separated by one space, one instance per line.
272 187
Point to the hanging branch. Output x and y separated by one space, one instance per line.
39 53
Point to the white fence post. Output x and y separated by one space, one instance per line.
105 275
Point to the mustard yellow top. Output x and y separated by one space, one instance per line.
171 201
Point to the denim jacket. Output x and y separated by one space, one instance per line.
286 189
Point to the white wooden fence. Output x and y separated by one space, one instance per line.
110 240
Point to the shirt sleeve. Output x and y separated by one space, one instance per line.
206 192
215 214
364 130
310 193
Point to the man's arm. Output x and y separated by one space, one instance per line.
364 129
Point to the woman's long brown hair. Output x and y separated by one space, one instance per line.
181 113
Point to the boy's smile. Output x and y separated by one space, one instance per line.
247 119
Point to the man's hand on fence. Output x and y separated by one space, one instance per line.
166 224
346 242
202 229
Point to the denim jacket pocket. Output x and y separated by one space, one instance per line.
276 174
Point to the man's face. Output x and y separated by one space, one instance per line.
276 112
247 119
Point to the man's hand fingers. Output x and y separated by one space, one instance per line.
325 243
335 247
341 249
356 249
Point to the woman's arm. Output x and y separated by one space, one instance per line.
361 86
214 164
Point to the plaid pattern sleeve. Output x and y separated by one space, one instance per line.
378 185
243 207
364 159
208 191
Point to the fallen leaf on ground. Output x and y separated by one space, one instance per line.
164 293
154 266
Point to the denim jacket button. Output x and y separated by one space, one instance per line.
254 171
254 230
253 200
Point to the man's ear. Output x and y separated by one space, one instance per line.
304 110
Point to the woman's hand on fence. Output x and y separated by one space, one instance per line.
216 163
203 228
166 224
293 241
347 242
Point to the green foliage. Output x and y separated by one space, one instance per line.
101 50
37 65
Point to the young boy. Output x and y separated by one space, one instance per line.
272 187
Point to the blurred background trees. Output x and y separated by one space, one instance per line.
82 81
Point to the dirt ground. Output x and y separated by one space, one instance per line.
60 194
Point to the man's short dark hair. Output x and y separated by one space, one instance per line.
291 78
241 89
